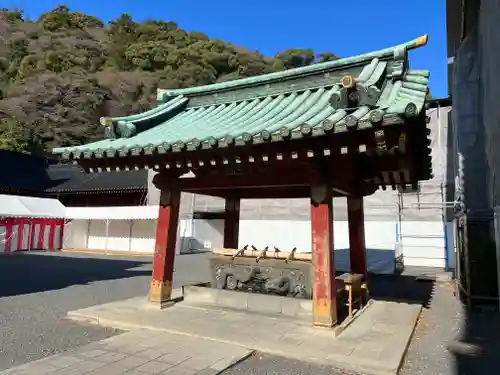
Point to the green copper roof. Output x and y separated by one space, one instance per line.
337 96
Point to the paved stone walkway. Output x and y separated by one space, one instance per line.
140 352
374 344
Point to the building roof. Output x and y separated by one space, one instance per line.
71 179
312 100
23 173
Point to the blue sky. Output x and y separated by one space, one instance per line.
345 28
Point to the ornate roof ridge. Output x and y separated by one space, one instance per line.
166 95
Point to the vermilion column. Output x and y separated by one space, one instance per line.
324 288
231 222
356 219
164 255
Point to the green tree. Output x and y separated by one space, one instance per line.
12 136
121 34
325 56
61 73
12 16
56 19
296 57
17 50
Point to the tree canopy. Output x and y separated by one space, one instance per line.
60 73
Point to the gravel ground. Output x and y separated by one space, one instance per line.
439 325
263 364
36 291
449 340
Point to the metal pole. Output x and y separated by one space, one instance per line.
30 239
130 235
106 240
191 237
445 230
88 235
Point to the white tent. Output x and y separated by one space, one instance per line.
29 207
126 228
30 223
112 213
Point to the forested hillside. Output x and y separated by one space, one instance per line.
60 73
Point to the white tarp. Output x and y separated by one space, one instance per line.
113 213
19 206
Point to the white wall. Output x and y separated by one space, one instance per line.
75 234
143 236
97 235
123 235
423 241
207 234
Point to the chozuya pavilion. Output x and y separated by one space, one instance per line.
341 128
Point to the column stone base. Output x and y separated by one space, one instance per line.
324 313
160 294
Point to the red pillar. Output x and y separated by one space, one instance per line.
231 222
356 220
324 285
164 256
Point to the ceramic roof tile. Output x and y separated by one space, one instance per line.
312 100
71 179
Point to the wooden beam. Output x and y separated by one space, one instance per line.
258 193
290 192
253 180
263 254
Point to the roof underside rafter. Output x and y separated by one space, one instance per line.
349 94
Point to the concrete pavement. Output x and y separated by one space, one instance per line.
374 344
140 352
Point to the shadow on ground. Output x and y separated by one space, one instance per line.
403 288
477 349
24 273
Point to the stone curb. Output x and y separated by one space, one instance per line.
230 364
407 344
344 325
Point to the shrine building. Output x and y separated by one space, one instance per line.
343 128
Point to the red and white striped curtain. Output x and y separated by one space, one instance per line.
30 234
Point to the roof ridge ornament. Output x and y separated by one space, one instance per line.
109 132
400 62
421 41
400 54
352 93
164 95
125 129
128 126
